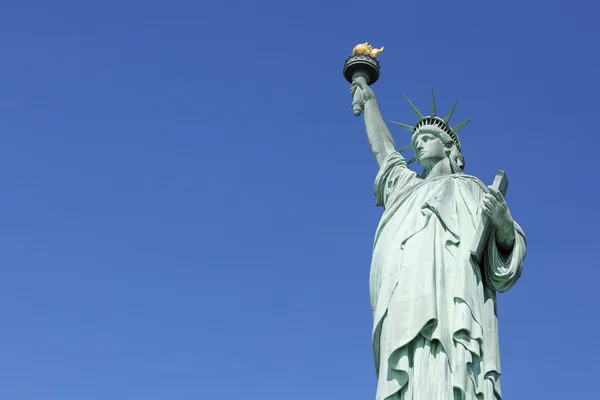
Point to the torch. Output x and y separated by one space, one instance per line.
362 65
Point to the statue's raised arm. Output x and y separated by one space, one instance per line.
361 69
379 136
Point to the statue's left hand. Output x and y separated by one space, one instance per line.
494 206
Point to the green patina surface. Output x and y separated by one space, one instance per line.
445 245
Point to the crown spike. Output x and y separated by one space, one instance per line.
449 115
407 127
407 147
462 125
418 114
432 104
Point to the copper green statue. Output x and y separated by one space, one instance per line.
445 245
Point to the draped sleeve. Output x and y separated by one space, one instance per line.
393 176
501 271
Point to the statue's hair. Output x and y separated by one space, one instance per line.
457 158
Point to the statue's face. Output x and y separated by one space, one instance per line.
429 149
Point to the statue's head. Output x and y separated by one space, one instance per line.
433 144
434 140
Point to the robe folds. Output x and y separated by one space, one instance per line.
435 331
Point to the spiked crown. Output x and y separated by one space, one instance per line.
434 120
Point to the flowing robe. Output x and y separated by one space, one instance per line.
435 332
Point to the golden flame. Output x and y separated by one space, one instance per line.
366 49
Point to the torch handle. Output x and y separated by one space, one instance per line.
358 104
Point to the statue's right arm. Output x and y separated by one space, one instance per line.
379 137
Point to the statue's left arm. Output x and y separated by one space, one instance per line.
506 247
502 269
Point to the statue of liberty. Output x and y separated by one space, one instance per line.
435 328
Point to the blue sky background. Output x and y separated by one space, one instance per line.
187 206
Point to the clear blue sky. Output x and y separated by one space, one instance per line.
187 206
